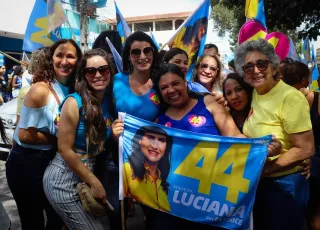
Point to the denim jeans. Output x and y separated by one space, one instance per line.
24 170
281 203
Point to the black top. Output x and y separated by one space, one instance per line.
315 119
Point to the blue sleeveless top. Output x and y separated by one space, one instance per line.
198 120
145 106
80 140
18 81
43 119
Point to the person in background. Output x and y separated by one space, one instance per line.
211 49
283 65
297 74
231 66
207 72
3 84
281 110
178 57
133 90
17 81
114 38
81 136
35 136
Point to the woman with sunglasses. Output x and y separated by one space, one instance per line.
35 137
133 90
81 136
207 72
278 109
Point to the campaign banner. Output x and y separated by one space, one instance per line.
200 177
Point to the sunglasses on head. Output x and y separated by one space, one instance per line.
205 66
91 72
260 64
136 53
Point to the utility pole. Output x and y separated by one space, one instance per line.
84 25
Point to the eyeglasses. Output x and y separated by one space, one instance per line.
91 72
262 65
205 66
136 53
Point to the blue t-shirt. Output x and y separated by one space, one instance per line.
198 120
145 106
80 140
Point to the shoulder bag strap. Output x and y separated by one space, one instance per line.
54 94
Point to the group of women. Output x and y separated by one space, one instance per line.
66 119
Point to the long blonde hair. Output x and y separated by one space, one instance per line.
217 83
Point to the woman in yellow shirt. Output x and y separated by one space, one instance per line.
148 166
279 109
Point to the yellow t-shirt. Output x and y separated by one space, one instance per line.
145 191
282 111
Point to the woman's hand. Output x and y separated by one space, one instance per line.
117 128
306 167
98 192
275 147
220 99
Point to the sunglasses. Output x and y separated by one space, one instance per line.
91 72
205 66
262 65
136 53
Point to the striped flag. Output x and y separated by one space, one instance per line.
122 26
255 10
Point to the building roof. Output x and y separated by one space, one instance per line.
148 18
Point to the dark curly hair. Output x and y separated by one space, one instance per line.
94 122
141 37
137 158
45 71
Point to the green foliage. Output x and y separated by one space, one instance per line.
295 18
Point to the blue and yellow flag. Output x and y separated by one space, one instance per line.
191 35
315 73
37 29
122 26
56 15
200 177
306 50
255 10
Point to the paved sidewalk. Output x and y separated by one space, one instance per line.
133 223
7 199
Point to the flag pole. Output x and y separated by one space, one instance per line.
71 30
182 25
13 59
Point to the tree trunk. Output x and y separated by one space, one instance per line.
83 25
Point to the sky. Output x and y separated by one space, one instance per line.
131 8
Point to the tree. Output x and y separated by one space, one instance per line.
295 18
84 25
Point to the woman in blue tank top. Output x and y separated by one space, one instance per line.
82 134
133 89
35 137
192 112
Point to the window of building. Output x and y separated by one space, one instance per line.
163 25
144 26
178 23
130 26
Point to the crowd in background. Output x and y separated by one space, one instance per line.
68 128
